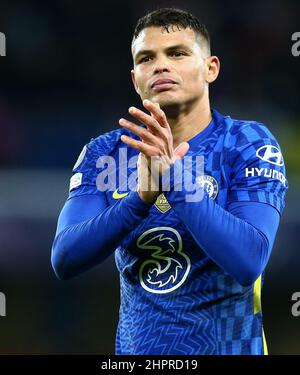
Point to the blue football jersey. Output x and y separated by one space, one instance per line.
174 298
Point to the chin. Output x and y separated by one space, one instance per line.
165 99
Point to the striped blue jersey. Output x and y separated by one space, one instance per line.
174 298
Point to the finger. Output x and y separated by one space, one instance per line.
181 150
146 119
157 112
144 160
140 146
141 132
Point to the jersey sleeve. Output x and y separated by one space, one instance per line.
257 170
83 180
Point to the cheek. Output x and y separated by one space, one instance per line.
141 77
193 76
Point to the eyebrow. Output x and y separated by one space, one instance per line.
168 49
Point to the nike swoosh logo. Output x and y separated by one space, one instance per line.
117 195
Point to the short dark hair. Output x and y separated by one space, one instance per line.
166 17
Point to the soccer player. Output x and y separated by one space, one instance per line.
191 270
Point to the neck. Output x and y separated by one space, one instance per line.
189 120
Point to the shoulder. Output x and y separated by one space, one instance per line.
239 133
103 145
106 143
248 140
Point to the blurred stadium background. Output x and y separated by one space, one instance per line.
66 79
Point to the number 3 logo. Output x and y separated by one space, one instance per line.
168 266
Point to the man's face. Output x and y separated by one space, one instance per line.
169 67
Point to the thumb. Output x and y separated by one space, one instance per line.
181 150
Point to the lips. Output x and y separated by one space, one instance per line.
162 82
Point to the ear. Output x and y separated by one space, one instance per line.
134 82
212 68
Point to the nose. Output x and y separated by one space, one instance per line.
161 65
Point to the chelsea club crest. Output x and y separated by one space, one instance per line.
210 185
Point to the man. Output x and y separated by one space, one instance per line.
191 270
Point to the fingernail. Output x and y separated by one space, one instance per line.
131 109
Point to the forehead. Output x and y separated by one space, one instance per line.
154 38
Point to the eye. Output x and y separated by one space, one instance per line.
178 53
144 59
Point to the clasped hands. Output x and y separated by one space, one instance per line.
157 153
